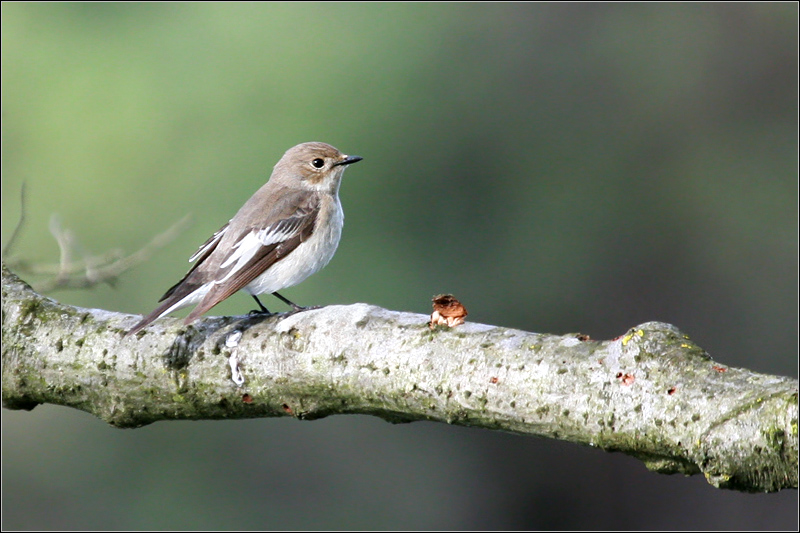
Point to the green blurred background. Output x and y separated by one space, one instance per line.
558 167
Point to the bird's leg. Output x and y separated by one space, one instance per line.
296 308
262 311
288 302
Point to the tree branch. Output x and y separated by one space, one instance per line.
652 393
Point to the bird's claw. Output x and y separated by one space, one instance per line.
260 312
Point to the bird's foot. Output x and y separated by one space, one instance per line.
297 309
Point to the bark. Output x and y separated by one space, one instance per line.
651 393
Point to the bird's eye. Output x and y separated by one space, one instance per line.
318 163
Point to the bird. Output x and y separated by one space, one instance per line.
288 230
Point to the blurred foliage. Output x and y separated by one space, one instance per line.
558 167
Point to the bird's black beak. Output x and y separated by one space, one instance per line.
348 160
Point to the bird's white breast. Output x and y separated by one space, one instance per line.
309 257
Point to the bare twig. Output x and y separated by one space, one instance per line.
14 235
92 269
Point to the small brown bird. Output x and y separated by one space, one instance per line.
288 230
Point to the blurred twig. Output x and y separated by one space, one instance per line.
13 238
91 270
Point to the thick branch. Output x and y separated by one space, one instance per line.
651 393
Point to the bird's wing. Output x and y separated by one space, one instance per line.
253 249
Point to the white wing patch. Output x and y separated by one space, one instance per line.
246 248
277 233
241 253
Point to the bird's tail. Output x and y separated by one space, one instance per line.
178 297
157 313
